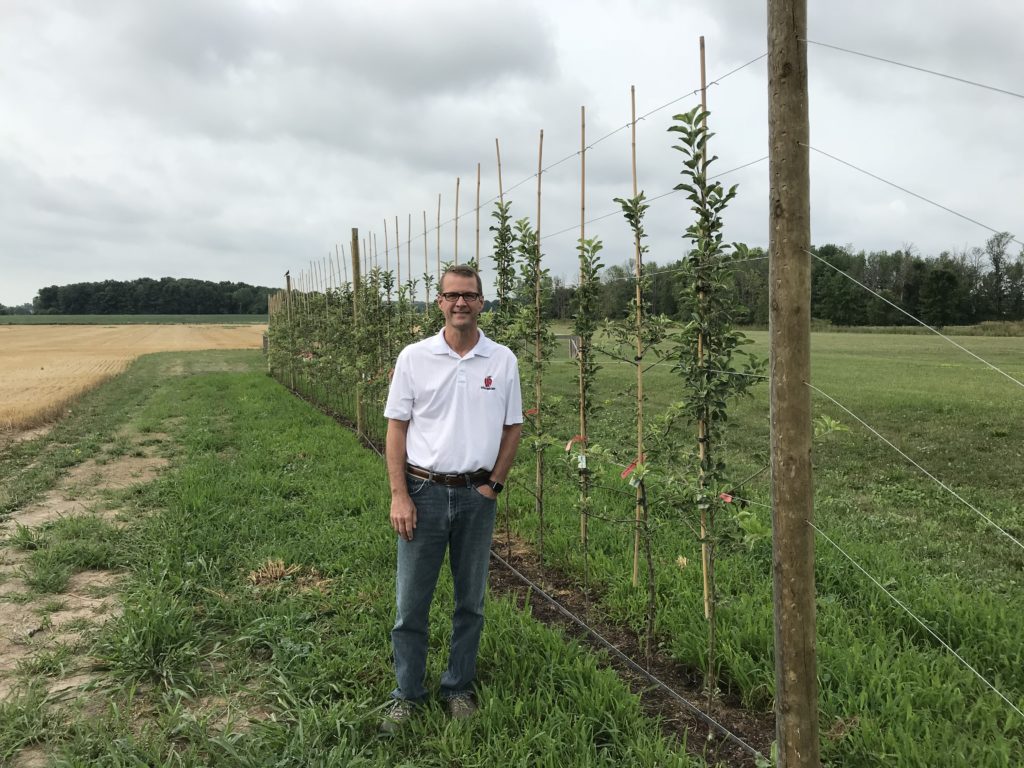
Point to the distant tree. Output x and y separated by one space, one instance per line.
617 289
939 294
147 296
996 281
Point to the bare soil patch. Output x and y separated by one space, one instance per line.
34 624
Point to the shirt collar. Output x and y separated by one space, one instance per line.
484 346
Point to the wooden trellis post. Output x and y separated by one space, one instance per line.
789 285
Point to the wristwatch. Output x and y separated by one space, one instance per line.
495 486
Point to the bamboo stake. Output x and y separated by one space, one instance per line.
408 251
398 253
330 286
438 251
356 322
537 389
501 190
478 215
641 511
291 326
387 248
705 549
344 286
426 265
457 180
584 490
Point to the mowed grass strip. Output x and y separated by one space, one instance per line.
259 602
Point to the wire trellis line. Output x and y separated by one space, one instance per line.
919 69
909 192
912 615
928 474
689 94
575 227
920 322
696 711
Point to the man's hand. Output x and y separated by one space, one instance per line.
403 515
486 491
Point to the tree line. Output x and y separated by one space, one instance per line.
955 288
146 296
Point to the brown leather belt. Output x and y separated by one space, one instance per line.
453 479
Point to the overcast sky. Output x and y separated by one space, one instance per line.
237 139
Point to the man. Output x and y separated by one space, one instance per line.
454 422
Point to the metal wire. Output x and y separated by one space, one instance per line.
914 194
920 322
696 711
932 477
651 199
919 69
690 94
912 615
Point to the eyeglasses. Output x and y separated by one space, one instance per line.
467 296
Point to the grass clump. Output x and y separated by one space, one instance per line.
68 545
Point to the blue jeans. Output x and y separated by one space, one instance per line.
461 521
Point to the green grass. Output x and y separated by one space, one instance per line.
887 686
209 669
130 319
884 680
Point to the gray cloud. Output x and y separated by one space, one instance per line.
237 139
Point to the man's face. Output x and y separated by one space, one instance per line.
459 314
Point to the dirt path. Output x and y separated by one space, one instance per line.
37 628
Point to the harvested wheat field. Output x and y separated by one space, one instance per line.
44 367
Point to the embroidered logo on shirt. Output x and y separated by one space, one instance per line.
487 383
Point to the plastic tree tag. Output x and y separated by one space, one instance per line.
629 470
635 481
725 497
581 461
574 439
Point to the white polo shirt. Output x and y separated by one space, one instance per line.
456 406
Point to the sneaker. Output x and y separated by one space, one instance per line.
400 711
461 706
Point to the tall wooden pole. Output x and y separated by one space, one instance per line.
789 285
408 251
356 282
438 251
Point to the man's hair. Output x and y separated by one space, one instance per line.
463 270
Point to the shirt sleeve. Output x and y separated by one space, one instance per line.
514 399
400 394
